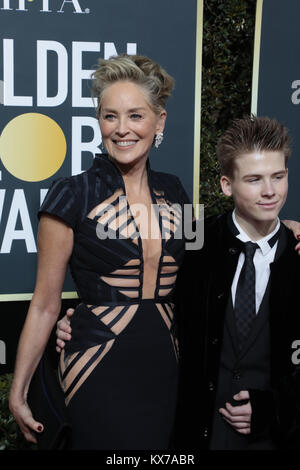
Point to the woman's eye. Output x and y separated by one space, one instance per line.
109 116
135 116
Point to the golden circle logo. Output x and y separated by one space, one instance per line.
32 147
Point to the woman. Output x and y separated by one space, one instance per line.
119 371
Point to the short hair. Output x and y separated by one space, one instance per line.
251 134
138 69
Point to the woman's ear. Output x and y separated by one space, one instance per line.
225 182
161 121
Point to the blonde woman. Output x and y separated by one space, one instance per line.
119 371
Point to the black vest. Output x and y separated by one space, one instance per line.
241 370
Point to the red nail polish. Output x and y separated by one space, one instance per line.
40 428
298 237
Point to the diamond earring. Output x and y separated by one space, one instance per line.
102 148
158 139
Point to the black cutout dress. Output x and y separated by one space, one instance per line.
119 372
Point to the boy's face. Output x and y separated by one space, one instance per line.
259 185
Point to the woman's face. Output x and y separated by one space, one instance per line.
128 123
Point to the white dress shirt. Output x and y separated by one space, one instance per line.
263 256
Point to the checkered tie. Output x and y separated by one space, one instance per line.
244 308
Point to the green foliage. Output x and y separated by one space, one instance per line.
11 437
228 37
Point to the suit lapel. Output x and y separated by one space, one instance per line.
230 325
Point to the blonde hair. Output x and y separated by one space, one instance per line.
138 69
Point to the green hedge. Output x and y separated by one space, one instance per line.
228 38
10 436
228 34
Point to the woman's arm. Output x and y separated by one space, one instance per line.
55 244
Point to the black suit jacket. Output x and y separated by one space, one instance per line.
204 287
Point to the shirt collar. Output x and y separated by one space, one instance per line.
265 244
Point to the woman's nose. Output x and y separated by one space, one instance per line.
122 127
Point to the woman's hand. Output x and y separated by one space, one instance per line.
25 420
295 227
63 330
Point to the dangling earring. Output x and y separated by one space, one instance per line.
158 139
102 148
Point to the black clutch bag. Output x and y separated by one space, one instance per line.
46 401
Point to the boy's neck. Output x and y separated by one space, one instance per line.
256 229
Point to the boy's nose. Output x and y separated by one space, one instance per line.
268 188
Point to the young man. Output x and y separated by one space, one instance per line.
240 389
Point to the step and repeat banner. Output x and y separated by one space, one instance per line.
276 80
48 128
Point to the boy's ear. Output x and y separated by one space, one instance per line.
226 185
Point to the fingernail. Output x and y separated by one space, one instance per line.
298 237
40 428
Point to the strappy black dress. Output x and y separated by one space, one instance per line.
119 372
